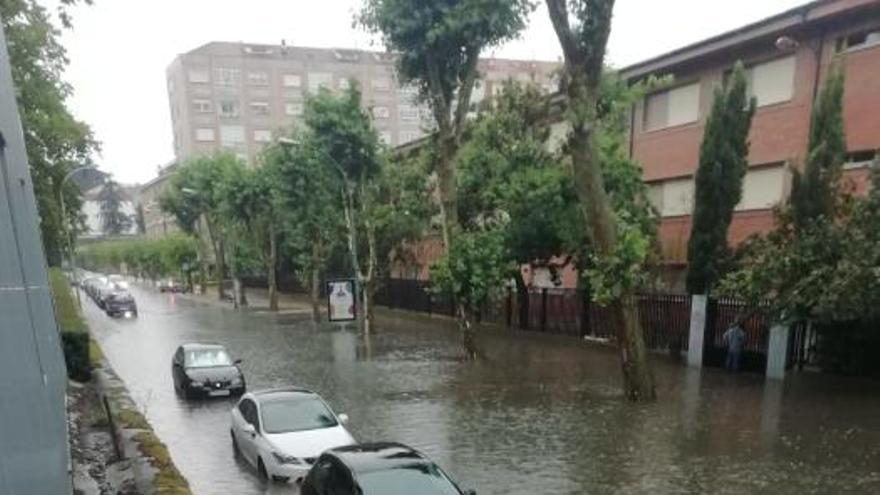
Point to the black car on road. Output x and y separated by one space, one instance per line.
206 370
377 469
120 303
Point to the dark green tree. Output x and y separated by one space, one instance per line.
114 221
439 44
56 142
724 160
816 191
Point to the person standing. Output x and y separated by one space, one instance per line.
734 338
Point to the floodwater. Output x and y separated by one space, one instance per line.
540 415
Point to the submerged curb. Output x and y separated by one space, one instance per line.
134 439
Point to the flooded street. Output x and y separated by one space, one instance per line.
539 416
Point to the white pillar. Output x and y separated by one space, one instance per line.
777 352
697 330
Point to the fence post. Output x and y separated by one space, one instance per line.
544 309
777 351
697 330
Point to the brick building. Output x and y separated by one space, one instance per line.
787 56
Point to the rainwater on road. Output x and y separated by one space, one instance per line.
539 415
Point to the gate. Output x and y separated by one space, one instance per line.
721 313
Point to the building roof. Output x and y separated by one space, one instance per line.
769 28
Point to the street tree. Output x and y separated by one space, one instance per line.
114 221
340 134
815 191
192 197
56 142
723 163
583 27
439 44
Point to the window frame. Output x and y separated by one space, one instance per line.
697 82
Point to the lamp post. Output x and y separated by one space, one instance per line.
67 234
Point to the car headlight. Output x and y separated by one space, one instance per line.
285 459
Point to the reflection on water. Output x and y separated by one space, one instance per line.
540 415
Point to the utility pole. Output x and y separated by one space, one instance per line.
68 236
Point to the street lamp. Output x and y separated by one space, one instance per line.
70 257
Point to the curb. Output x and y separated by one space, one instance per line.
134 439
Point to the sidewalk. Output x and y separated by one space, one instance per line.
258 300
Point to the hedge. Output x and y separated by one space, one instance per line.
74 332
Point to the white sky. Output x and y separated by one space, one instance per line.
119 50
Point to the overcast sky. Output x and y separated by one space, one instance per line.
119 50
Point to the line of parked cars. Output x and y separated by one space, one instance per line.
110 293
292 435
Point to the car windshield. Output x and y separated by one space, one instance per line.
424 479
204 358
296 414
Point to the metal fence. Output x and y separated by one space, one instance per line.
665 318
721 314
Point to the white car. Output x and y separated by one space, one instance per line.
281 432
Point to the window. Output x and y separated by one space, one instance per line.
295 109
258 50
762 188
860 159
202 106
380 84
259 108
292 81
772 82
863 39
206 358
227 77
229 109
407 136
674 197
673 107
410 91
204 134
381 112
300 414
231 135
248 411
319 80
262 135
258 78
385 137
199 76
344 83
408 112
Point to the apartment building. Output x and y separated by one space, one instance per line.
157 223
235 96
787 57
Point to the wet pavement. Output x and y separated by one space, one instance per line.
540 415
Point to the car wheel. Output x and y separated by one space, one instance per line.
235 449
261 470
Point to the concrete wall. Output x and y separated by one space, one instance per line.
34 456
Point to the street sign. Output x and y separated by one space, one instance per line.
341 302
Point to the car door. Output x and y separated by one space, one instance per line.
247 441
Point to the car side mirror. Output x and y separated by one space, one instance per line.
237 362
249 429
343 418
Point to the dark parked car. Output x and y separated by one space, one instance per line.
377 469
206 370
120 303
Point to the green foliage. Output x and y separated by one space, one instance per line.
173 255
723 164
114 221
474 270
828 270
74 332
439 42
815 191
56 142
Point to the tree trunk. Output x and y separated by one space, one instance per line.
446 188
600 223
366 308
522 300
273 267
316 281
468 336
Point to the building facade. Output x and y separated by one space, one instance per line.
157 223
235 96
787 58
91 211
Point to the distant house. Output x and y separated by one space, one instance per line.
91 210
